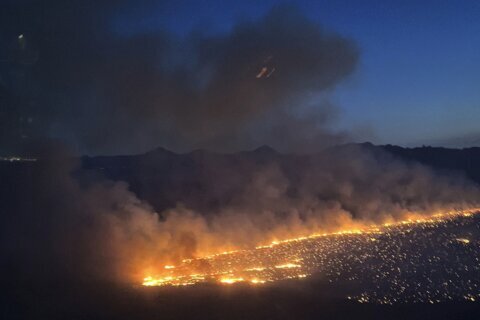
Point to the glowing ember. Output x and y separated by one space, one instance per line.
255 269
149 281
231 280
288 266
255 281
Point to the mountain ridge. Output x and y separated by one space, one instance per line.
165 178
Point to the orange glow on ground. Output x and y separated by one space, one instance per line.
230 267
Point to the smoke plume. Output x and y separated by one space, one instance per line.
60 220
73 77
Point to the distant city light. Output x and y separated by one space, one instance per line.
15 159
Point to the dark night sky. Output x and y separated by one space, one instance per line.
126 76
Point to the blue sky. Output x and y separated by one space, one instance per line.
419 72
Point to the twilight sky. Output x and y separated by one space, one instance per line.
400 72
419 71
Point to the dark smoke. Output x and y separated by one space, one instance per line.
62 221
72 77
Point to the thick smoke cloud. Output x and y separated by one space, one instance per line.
73 77
63 222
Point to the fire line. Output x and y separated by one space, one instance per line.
289 258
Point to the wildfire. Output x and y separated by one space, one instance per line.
288 266
255 269
266 263
255 281
150 281
231 280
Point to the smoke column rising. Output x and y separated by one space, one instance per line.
81 80
101 230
